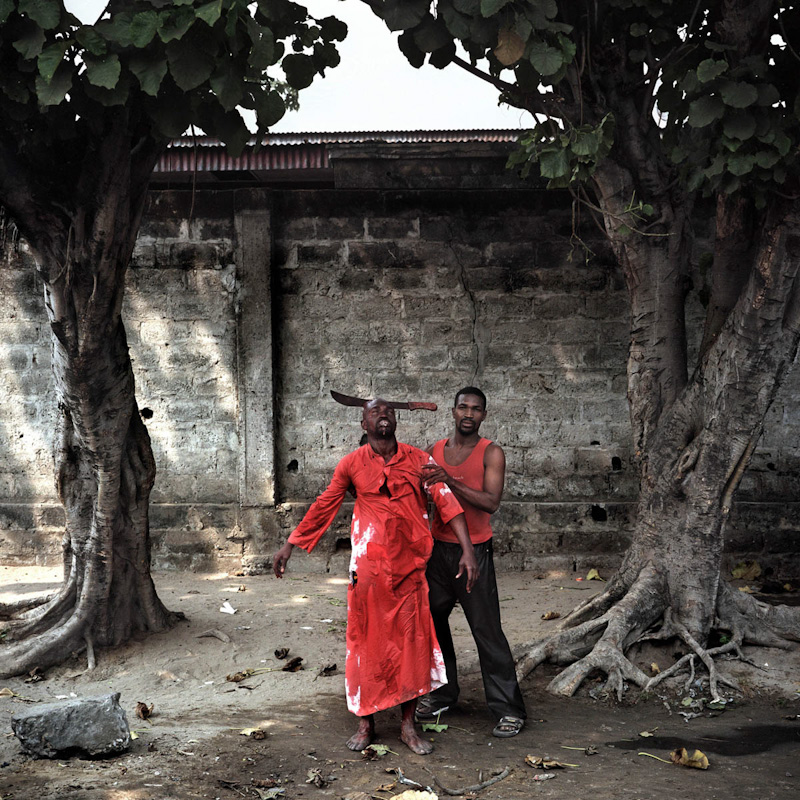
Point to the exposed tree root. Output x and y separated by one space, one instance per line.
597 634
9 611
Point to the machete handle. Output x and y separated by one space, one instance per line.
422 406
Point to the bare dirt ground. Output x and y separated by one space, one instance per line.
193 745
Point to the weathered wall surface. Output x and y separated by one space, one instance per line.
242 318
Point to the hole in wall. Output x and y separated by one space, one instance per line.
342 544
292 465
599 514
147 413
616 463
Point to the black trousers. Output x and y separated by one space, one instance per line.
482 610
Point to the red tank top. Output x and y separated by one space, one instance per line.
470 473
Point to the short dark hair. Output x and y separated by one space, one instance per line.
470 390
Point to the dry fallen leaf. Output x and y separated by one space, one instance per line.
537 762
696 759
281 653
6 692
35 675
594 575
253 733
551 615
236 677
315 776
415 794
654 668
328 669
746 570
293 664
143 711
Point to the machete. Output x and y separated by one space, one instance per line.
346 400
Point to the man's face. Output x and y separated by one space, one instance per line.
468 413
378 419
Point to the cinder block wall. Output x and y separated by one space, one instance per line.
244 316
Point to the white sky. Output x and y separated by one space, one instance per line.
375 88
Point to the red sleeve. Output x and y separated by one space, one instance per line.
319 517
446 503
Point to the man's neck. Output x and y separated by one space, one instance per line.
385 448
462 441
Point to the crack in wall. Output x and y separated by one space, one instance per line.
478 340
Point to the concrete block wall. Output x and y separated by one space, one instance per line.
243 315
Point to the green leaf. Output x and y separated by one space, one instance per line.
270 108
51 58
332 29
103 72
52 92
740 164
545 60
143 28
299 70
46 13
228 86
149 70
586 144
408 47
210 12
768 95
705 110
30 44
188 65
431 35
782 142
710 69
6 7
172 118
262 52
88 37
767 158
400 15
716 168
443 56
325 55
174 23
435 727
491 7
740 125
14 87
456 23
738 94
115 96
553 163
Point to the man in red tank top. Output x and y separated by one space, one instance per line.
474 469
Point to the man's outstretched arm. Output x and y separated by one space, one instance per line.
494 476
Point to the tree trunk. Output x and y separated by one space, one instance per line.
104 463
695 452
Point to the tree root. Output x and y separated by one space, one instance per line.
477 787
596 636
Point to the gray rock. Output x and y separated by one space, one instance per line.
94 726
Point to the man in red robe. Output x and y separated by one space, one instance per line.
393 657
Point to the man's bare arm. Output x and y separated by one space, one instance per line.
494 476
467 563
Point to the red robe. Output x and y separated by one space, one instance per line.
392 652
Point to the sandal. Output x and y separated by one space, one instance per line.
428 709
508 727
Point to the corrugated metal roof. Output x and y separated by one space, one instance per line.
301 151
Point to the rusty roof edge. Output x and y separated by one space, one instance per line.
347 137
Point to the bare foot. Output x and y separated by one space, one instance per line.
364 735
410 737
